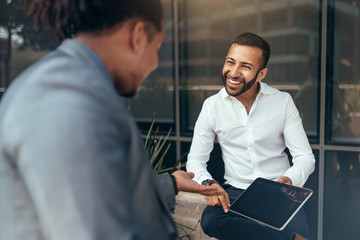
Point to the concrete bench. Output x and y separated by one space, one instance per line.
188 210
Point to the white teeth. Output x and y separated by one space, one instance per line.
234 82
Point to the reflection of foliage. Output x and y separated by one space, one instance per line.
14 21
11 15
10 20
352 100
157 147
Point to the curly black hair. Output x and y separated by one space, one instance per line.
68 17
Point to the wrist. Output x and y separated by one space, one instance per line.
174 183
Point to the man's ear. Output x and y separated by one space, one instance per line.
138 37
262 74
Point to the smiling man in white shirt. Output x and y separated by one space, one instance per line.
253 123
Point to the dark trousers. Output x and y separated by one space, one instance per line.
229 226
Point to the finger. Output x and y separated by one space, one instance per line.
285 180
208 201
191 174
215 201
227 199
224 203
280 180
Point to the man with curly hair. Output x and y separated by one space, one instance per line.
72 164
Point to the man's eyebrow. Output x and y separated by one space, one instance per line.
245 63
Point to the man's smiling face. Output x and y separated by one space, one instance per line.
241 69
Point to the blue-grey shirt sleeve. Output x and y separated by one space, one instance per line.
77 158
168 191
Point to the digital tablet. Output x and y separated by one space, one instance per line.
270 203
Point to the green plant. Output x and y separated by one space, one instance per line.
157 147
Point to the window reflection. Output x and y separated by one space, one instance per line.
344 72
312 206
20 44
308 95
342 195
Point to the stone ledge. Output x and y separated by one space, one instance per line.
188 210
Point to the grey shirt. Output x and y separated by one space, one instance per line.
72 164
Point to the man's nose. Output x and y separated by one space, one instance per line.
235 72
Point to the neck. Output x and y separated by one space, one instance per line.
248 97
111 46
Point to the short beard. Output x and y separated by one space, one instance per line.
247 85
121 92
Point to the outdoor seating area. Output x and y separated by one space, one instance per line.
98 96
188 210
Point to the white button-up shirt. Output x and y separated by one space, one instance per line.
252 144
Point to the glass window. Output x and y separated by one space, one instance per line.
312 206
20 45
344 73
156 94
342 194
207 31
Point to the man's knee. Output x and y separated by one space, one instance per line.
209 222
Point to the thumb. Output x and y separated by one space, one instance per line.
280 180
191 174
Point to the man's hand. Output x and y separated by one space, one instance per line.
185 183
285 180
219 200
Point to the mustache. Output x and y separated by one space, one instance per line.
240 78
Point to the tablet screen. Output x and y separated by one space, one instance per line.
270 203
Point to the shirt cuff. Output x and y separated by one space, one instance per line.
174 184
167 190
297 176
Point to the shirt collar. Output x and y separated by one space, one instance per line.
266 89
